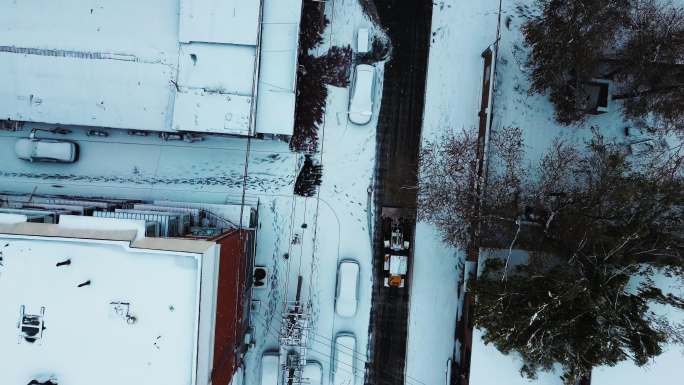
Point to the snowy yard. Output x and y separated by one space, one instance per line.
534 114
452 103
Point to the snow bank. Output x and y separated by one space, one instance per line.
461 31
433 313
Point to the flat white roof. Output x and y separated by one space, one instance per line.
84 340
153 69
122 27
226 21
278 67
90 92
222 68
12 218
202 111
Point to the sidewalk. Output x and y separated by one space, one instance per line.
453 101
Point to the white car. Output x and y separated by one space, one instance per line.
313 373
270 368
361 96
346 293
46 150
343 366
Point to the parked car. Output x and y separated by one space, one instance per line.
361 96
313 373
270 368
46 150
343 366
346 293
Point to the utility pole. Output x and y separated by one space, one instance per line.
294 339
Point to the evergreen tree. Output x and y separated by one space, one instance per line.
567 39
309 178
604 224
578 313
650 73
639 44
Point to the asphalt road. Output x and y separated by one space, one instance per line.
408 23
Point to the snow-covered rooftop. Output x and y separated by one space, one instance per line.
225 22
138 320
159 65
278 63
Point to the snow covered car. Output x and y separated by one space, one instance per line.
313 373
361 96
346 293
343 364
270 368
46 150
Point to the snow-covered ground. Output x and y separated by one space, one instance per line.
328 228
490 367
434 307
534 114
461 31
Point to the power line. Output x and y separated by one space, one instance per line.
410 380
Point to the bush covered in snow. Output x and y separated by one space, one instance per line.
309 178
312 25
314 74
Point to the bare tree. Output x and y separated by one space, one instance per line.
446 195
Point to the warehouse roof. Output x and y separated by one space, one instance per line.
194 66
